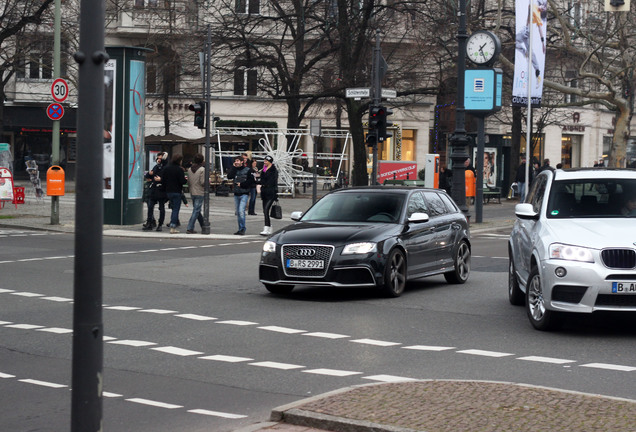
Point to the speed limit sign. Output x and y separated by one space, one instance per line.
59 90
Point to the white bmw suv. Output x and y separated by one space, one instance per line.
573 245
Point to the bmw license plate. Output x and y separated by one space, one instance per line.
305 264
623 287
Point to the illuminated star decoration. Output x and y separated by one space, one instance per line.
284 159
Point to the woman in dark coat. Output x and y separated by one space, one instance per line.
269 191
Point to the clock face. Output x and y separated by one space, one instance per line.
482 47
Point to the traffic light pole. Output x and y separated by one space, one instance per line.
377 98
205 229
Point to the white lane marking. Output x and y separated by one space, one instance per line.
108 338
196 317
58 299
388 378
25 326
122 308
177 351
2 291
276 365
169 249
494 235
484 353
158 311
126 252
608 366
56 330
237 322
375 342
188 247
282 329
4 375
148 250
5 322
27 294
428 348
43 383
57 257
326 335
226 358
154 403
133 343
111 395
546 360
216 414
332 372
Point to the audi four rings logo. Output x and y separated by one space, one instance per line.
306 252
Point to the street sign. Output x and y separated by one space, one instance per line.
55 111
388 93
358 92
59 90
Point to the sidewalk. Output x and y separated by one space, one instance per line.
36 214
452 406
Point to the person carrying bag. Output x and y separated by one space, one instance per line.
269 193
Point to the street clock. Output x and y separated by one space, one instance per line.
483 48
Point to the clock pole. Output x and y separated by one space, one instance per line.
459 141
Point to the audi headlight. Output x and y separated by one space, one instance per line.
359 248
570 253
269 246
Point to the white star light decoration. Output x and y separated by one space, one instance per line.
284 159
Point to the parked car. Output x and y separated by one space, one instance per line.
376 236
573 245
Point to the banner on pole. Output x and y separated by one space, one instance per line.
530 48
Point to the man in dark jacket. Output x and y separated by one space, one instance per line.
174 178
243 179
157 193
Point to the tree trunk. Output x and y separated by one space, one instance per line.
618 150
359 175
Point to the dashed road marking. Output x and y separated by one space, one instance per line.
326 335
282 329
277 365
177 351
217 414
154 403
43 383
375 342
610 367
226 358
388 378
133 343
332 372
428 348
546 360
196 317
485 353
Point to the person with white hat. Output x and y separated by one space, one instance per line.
269 191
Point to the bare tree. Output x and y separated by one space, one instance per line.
17 19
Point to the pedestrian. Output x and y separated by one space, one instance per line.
546 166
445 179
469 166
520 178
269 191
251 208
242 179
196 185
174 179
157 193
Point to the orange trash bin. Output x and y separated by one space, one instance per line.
55 181
470 184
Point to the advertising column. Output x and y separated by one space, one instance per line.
124 84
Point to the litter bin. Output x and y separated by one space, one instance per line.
55 181
470 184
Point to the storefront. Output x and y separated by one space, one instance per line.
29 132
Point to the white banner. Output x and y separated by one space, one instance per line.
530 43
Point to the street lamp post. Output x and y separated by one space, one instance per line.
459 141
205 229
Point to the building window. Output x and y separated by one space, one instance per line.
248 7
245 82
151 79
37 65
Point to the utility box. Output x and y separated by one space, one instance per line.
431 171
55 181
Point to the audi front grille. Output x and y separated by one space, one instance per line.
320 252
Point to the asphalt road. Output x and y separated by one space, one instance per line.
194 343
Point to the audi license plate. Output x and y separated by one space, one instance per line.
623 287
305 264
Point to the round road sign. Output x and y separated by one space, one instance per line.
59 90
55 111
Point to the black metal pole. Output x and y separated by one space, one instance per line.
459 140
205 229
479 166
377 99
87 376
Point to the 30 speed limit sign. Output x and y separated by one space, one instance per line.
59 90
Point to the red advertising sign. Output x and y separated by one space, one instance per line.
396 170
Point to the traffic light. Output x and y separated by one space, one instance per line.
199 114
374 117
372 138
383 123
